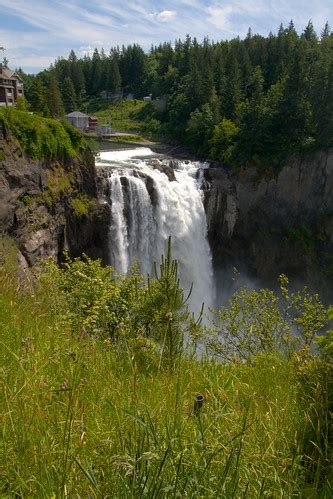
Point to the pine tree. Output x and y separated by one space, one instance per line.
309 33
326 32
112 75
68 95
233 91
77 76
37 97
54 99
96 73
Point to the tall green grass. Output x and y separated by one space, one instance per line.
81 417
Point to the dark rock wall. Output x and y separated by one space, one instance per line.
273 225
41 220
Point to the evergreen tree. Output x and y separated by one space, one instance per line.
233 88
309 33
37 95
54 100
77 76
326 32
250 119
113 83
96 73
199 129
69 97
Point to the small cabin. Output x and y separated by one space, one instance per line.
79 120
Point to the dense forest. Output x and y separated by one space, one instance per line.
256 100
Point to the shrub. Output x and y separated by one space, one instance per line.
262 321
82 204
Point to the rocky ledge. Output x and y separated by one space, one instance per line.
274 224
49 206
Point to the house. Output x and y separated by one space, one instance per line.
93 124
79 120
11 87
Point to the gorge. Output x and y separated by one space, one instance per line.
261 226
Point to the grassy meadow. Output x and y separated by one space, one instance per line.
121 114
90 407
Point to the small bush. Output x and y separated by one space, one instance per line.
82 204
261 321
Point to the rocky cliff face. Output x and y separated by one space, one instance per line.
275 224
49 206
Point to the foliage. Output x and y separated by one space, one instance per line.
199 129
126 138
99 302
82 413
302 236
82 204
223 140
325 341
260 321
163 311
122 115
90 300
42 138
22 104
69 96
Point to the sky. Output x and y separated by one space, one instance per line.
36 32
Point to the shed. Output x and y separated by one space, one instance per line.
79 120
93 123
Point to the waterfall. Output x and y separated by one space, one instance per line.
147 207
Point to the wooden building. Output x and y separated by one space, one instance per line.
11 87
93 124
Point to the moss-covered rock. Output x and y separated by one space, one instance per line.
48 194
42 138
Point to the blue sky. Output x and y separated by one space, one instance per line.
36 32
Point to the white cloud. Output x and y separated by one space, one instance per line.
220 16
33 61
88 50
166 16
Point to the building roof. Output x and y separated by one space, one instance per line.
77 114
9 74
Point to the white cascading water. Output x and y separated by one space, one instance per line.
143 218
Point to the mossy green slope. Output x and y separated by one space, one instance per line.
42 138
